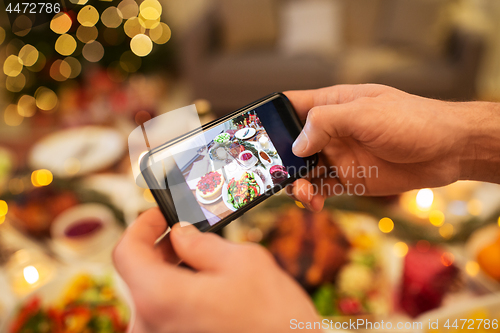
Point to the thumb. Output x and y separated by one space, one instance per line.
201 251
322 124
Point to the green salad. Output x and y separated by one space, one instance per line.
242 191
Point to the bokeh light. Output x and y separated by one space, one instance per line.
70 68
93 51
79 2
141 45
160 34
88 16
2 35
474 207
112 17
446 231
72 166
498 221
15 83
16 186
12 66
400 249
150 9
436 218
447 259
40 63
87 34
128 8
60 23
148 24
4 208
148 196
46 99
132 27
28 55
55 71
31 274
11 116
472 268
113 36
65 45
22 25
129 62
386 225
42 177
425 197
26 106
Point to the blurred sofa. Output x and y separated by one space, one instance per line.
240 50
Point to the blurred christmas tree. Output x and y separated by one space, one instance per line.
114 36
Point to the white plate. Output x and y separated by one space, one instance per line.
208 202
240 134
78 151
224 189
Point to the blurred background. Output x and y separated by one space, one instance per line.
75 84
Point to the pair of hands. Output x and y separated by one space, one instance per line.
413 142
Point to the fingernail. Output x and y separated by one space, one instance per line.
300 143
187 230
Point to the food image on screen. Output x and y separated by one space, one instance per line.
210 186
240 163
242 191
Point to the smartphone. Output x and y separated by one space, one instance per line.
243 159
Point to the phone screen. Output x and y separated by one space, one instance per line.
232 164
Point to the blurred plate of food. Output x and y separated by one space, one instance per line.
84 299
241 189
245 133
78 151
483 256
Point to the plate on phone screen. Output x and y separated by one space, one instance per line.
245 133
225 195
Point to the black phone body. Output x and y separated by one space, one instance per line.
271 123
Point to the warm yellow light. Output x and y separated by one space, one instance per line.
148 196
46 99
299 204
79 2
446 231
65 45
4 208
40 64
498 221
447 258
2 219
16 186
148 24
72 166
129 62
93 51
436 217
425 197
112 17
42 177
26 106
88 16
474 207
150 9
132 27
2 35
87 34
70 68
60 23
31 274
128 8
386 225
28 55
55 71
400 249
141 45
472 268
12 66
15 83
161 34
11 116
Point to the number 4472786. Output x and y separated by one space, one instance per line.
472 324
34 8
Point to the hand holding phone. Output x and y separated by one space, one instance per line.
214 174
